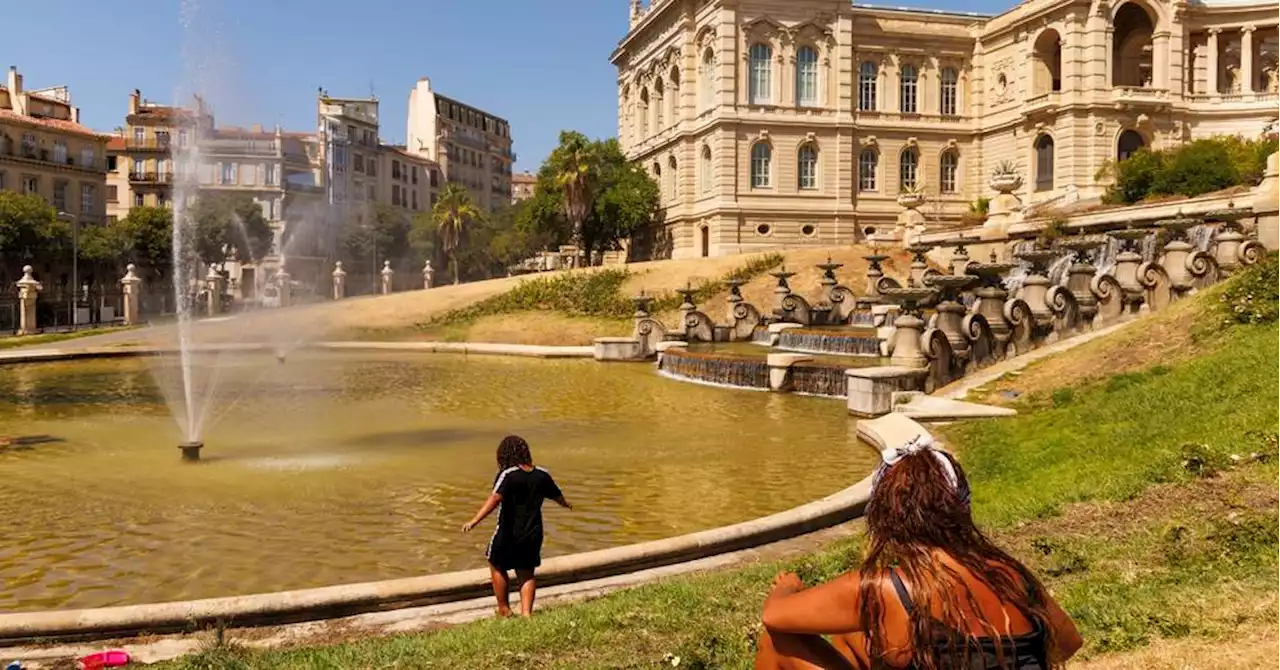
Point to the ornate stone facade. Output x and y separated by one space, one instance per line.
774 123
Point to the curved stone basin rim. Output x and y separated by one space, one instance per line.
345 600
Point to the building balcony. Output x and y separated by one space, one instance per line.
148 144
156 178
1253 97
1140 98
1041 105
48 158
240 147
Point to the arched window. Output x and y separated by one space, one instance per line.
948 92
807 77
807 167
949 167
867 75
704 170
674 95
643 113
761 165
761 79
1130 142
1047 63
868 162
673 184
706 79
659 105
1131 50
908 79
908 167
1044 163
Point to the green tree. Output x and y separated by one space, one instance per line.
453 215
222 224
380 233
30 228
574 166
622 199
149 234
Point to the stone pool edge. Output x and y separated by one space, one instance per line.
345 600
53 354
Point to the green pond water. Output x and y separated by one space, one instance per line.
337 468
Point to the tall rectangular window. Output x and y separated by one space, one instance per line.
948 97
60 152
908 79
88 205
867 75
807 77
761 82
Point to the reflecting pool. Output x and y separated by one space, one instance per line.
335 468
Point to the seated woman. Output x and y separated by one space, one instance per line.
933 593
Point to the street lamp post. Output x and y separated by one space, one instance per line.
75 262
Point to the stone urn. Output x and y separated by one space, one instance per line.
1005 182
910 200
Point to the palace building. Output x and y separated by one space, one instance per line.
771 123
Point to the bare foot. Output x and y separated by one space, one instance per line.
504 612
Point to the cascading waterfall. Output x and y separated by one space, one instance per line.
818 379
720 370
842 342
1105 259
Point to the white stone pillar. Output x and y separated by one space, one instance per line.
1246 59
1160 60
285 283
387 275
1214 66
428 273
28 292
131 286
213 286
339 281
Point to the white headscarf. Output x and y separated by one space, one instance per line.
917 444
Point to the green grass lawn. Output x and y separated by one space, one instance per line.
50 338
1170 530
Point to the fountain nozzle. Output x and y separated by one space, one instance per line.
191 450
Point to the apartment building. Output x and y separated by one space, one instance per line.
522 186
140 158
772 123
471 146
45 151
413 181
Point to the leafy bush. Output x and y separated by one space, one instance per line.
1200 167
1252 297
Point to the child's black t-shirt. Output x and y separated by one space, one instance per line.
520 516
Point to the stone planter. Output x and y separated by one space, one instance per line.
910 200
1005 183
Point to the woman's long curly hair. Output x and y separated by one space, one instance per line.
915 510
513 452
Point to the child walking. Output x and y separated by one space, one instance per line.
518 492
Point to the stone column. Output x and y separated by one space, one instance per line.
1246 59
285 283
1160 60
339 281
131 285
428 273
387 275
1214 66
28 291
906 344
213 286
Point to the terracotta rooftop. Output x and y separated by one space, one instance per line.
58 125
116 143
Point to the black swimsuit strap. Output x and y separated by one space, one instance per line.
902 590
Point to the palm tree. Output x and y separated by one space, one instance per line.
453 213
574 169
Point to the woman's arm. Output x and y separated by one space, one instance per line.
827 609
489 505
1065 635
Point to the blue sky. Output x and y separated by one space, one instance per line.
541 64
262 61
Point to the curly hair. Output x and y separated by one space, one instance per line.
513 451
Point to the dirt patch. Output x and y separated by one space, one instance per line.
1217 497
540 328
1164 338
1258 649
